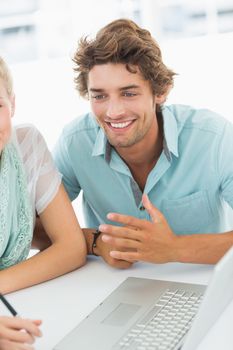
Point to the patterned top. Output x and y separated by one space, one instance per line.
43 179
28 183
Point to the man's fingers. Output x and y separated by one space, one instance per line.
130 221
120 231
155 214
121 243
127 220
119 263
130 256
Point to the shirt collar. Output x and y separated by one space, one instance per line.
170 143
102 146
170 132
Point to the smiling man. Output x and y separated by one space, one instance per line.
155 178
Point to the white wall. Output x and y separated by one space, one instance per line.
205 72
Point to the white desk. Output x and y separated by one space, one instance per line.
62 303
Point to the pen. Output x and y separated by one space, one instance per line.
8 305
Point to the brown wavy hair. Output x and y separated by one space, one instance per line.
122 41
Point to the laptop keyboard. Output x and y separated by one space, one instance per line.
165 324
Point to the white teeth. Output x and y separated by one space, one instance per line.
120 125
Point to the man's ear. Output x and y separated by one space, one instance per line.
160 99
12 106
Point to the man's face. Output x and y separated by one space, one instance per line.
122 103
6 112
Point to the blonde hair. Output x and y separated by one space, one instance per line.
6 76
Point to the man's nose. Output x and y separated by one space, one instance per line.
115 109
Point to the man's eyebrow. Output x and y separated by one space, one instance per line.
128 87
96 90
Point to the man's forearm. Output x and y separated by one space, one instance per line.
203 248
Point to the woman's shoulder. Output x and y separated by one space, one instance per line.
27 137
27 132
29 141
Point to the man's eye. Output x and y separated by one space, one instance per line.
98 97
129 94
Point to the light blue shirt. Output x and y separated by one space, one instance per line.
190 183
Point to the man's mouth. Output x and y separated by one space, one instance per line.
121 125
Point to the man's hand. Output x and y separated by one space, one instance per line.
140 239
104 248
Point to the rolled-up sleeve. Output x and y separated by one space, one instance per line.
225 163
62 157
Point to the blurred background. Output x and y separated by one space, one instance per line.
38 39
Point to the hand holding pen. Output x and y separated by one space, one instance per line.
17 333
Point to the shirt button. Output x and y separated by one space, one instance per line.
142 208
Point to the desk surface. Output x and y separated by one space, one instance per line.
63 302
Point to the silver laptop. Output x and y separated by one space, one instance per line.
151 314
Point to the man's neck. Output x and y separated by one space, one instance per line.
147 150
142 157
